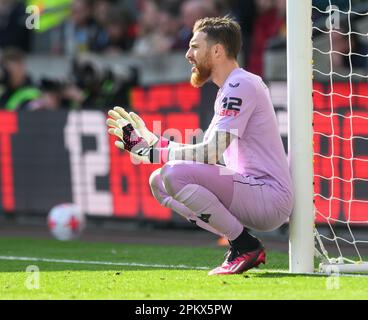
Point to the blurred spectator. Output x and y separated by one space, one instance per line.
101 10
320 6
245 13
17 89
77 33
269 22
324 4
280 6
133 6
160 38
223 7
120 32
147 26
343 44
191 11
13 31
168 27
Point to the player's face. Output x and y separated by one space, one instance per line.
199 55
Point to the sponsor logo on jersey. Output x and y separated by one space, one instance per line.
230 106
235 85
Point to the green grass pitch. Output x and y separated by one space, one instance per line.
84 270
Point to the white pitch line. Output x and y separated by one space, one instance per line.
180 266
108 263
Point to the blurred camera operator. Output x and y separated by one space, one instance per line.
16 89
102 86
56 95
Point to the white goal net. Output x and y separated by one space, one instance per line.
340 134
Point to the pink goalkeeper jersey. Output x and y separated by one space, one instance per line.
243 107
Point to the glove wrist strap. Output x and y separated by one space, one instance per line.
162 143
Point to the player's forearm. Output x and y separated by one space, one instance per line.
201 152
210 151
205 152
166 143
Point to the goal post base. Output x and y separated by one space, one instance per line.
337 268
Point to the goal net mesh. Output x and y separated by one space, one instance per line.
340 122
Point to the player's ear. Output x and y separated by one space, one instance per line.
217 50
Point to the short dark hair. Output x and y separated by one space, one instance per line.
224 30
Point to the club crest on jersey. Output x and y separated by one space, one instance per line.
234 85
230 106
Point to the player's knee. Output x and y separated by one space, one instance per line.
155 183
171 177
155 178
156 186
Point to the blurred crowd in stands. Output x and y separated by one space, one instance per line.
118 27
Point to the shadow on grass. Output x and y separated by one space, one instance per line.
283 274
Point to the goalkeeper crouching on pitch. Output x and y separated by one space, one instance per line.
253 189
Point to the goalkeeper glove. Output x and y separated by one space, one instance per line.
131 141
139 125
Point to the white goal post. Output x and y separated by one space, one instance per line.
300 133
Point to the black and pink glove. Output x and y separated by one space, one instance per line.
132 141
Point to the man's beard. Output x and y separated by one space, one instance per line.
201 74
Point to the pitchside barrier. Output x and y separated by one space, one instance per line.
47 158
